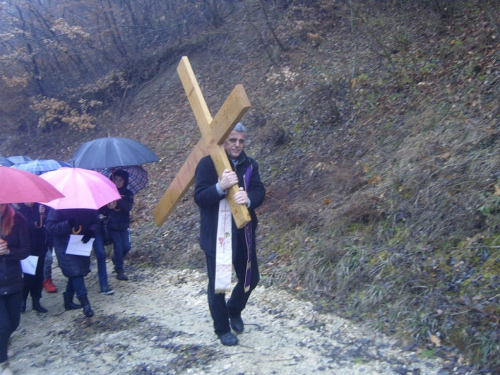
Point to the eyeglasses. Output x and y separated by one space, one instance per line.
236 140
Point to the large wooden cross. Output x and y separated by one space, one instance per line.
214 132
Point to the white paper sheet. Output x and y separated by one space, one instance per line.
77 247
29 264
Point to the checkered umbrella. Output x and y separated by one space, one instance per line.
137 176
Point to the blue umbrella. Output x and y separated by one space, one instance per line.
40 166
5 162
18 159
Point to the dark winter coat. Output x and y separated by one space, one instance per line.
36 231
119 217
60 224
207 198
11 274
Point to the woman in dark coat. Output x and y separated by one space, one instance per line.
35 220
60 224
14 246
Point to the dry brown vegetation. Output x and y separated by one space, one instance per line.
376 126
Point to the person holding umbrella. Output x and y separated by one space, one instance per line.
15 187
137 180
118 215
14 246
126 156
60 225
84 192
34 213
39 167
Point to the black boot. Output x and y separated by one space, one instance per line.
120 275
87 310
68 302
37 306
23 305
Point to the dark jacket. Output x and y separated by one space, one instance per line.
60 224
119 217
11 274
36 231
207 198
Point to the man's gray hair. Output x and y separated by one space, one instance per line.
240 128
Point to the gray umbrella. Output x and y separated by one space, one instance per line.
112 152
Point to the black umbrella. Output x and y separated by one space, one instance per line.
112 152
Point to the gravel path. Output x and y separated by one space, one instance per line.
158 323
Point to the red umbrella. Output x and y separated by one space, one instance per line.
18 186
82 188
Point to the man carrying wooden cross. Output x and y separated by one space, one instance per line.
221 240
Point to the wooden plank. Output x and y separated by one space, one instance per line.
196 99
214 132
180 185
231 112
240 212
233 108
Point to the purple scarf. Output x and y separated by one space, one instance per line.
248 233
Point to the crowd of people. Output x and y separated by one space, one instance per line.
32 229
36 230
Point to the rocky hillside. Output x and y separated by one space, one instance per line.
376 128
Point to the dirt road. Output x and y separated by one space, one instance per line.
158 323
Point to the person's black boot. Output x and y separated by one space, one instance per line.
120 275
87 310
23 305
228 339
37 306
236 323
69 304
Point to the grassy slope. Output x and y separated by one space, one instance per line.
379 152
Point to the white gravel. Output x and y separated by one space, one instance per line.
158 323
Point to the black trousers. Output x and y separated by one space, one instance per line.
219 309
34 283
10 316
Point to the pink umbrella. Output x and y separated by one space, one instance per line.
82 188
18 186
